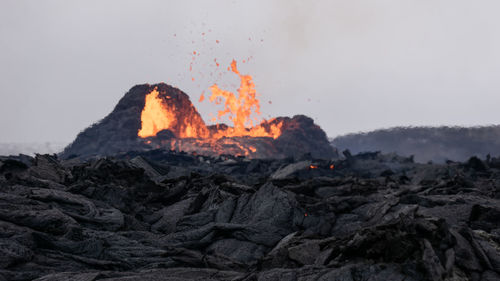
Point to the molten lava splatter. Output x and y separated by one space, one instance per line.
241 108
155 116
160 114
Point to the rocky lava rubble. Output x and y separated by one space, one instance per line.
160 215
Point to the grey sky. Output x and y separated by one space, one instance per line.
351 65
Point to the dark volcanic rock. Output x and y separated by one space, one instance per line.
301 132
160 215
118 132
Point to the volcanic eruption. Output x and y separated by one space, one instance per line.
162 117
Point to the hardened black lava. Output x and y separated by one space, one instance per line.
161 215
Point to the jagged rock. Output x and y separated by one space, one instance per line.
431 262
490 247
169 216
490 276
47 167
290 169
124 218
305 253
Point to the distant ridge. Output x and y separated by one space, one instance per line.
31 148
436 144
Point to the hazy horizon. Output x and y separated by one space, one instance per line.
351 66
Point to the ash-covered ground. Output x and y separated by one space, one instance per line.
160 215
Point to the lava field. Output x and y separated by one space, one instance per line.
163 215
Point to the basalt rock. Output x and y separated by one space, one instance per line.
161 215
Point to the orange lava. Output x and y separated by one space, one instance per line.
241 108
157 116
160 113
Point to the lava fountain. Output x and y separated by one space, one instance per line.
162 117
161 114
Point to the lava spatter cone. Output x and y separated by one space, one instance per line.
146 110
